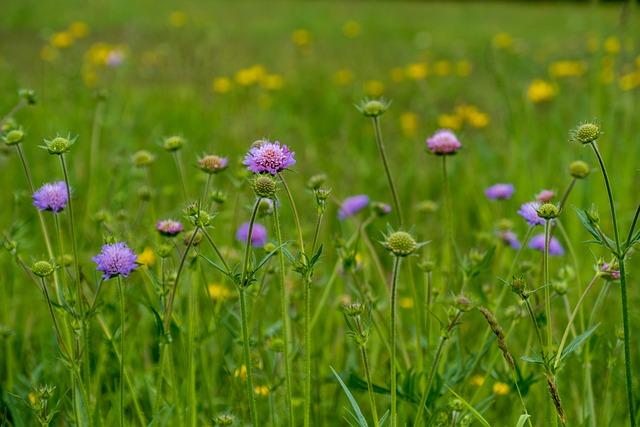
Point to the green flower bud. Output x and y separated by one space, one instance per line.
559 286
28 95
548 211
265 186
456 404
586 133
42 268
145 193
14 136
374 107
219 197
269 247
463 303
579 169
142 158
354 309
316 181
173 143
165 250
222 420
427 206
427 265
401 243
276 345
189 235
265 207
65 260
593 215
58 145
519 285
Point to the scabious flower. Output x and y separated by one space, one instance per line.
500 191
258 234
510 238
269 157
212 164
529 211
115 259
545 195
51 197
169 227
443 142
609 271
537 243
352 205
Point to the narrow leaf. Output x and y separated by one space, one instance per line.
358 413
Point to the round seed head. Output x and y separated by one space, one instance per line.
548 211
354 309
586 133
142 158
264 186
58 145
173 143
14 137
579 169
42 268
373 108
401 243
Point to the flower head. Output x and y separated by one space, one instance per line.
537 243
169 227
42 268
58 145
529 211
258 234
115 259
401 243
270 157
500 191
579 169
609 271
212 164
51 197
510 238
373 107
352 205
586 133
443 142
548 211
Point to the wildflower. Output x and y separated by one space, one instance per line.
78 29
13 137
417 71
42 268
270 157
586 133
49 53
261 390
609 271
373 107
115 259
51 197
169 227
342 77
351 29
537 243
629 81
612 45
352 205
477 380
301 37
442 68
510 238
142 158
540 91
545 195
529 211
548 211
61 39
212 164
567 68
500 389
401 243
478 119
241 372
409 123
406 302
316 181
264 186
272 82
450 121
381 209
173 143
258 234
218 292
500 191
58 145
503 40
373 87
443 142
221 84
147 257
115 58
222 420
354 309
579 169
177 18
463 68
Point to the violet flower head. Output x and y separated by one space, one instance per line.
529 211
51 197
443 142
609 272
269 157
500 191
115 259
169 227
352 205
510 238
545 196
537 243
258 234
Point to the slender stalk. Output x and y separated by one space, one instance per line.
565 196
215 248
546 284
449 247
181 174
633 226
19 106
383 155
191 363
372 399
296 217
94 148
61 343
394 295
284 314
122 354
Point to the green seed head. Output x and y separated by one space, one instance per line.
354 309
42 268
264 186
58 145
579 169
173 143
548 211
401 243
586 133
519 285
316 181
374 107
14 137
142 158
222 420
559 286
463 303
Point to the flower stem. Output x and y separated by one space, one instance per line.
383 155
372 399
547 285
296 217
394 295
449 247
183 182
122 326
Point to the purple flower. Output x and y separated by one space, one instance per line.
169 227
545 195
258 234
443 142
537 243
51 197
352 205
510 238
609 271
115 259
270 157
500 191
529 211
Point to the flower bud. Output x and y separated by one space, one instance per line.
519 285
427 206
42 268
426 265
58 145
142 158
381 209
401 243
586 133
579 169
316 181
463 303
222 420
218 196
165 250
173 143
505 224
265 207
593 215
559 286
374 107
14 136
269 247
353 309
264 186
145 193
28 95
548 211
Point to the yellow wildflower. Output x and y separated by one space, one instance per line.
374 87
442 68
409 123
261 390
406 302
417 71
98 54
540 91
147 257
351 29
218 292
503 40
450 121
477 380
78 29
301 37
463 68
221 84
177 18
343 77
478 119
629 81
272 82
501 389
612 45
49 53
567 69
61 40
241 372
250 76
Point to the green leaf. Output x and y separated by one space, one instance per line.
591 228
362 422
471 409
522 420
533 359
577 341
268 256
216 266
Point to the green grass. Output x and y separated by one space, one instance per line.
524 143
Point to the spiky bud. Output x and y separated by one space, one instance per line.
354 309
401 243
316 181
373 107
142 158
586 133
519 285
222 420
548 211
14 136
218 196
265 186
58 145
42 268
173 143
426 265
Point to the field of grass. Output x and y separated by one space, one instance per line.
483 332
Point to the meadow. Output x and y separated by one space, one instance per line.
322 213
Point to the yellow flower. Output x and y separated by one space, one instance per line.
417 71
373 87
359 260
501 389
49 53
612 45
301 37
409 123
351 29
98 54
450 121
221 84
78 29
62 39
177 18
478 119
442 68
261 390
503 40
218 292
342 77
477 380
567 69
406 302
463 68
396 74
147 257
540 91
250 76
272 82
629 81
241 372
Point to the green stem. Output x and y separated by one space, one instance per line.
19 106
181 174
372 399
191 382
296 217
383 155
122 354
61 343
93 150
307 350
394 295
449 247
547 285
